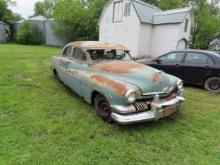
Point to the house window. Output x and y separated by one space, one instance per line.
127 9
117 11
186 25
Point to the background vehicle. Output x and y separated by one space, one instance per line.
195 67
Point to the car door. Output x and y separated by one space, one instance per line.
76 70
169 62
196 67
63 61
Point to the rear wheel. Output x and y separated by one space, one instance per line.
212 84
56 75
103 108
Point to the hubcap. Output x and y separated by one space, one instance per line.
214 84
104 109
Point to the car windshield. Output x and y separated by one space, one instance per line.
98 55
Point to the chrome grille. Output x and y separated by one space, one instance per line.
145 105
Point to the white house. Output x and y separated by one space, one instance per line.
145 29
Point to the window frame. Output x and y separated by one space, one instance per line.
74 59
62 54
121 18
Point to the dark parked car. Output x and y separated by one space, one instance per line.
196 67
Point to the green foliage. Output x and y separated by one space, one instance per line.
29 33
168 4
44 8
77 20
43 122
208 25
6 14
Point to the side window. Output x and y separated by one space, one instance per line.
175 57
186 25
196 58
210 61
127 9
67 52
79 55
117 11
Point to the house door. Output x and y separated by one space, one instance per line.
182 44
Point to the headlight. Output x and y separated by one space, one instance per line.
131 96
180 84
180 87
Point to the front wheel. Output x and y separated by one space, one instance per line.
212 84
103 108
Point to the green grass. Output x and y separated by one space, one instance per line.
43 122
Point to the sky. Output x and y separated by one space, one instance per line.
24 7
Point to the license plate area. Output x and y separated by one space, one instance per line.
169 111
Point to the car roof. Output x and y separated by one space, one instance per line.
97 45
197 51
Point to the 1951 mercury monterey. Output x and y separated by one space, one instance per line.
120 89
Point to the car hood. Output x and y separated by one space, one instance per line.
147 79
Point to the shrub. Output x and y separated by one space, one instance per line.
29 33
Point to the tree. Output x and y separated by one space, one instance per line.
44 8
29 33
6 14
208 24
168 4
77 19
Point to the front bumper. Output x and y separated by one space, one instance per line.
157 111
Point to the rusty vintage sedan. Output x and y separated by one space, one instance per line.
120 89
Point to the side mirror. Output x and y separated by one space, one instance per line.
158 61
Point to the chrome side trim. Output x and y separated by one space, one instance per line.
155 93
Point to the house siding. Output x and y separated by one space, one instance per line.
51 38
145 40
125 32
182 34
164 38
151 38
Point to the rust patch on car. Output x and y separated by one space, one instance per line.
106 46
73 73
98 45
169 111
63 62
116 86
156 76
78 43
119 67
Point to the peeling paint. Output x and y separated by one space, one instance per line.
156 76
98 45
116 86
73 73
119 66
63 62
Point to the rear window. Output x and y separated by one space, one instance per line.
197 58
